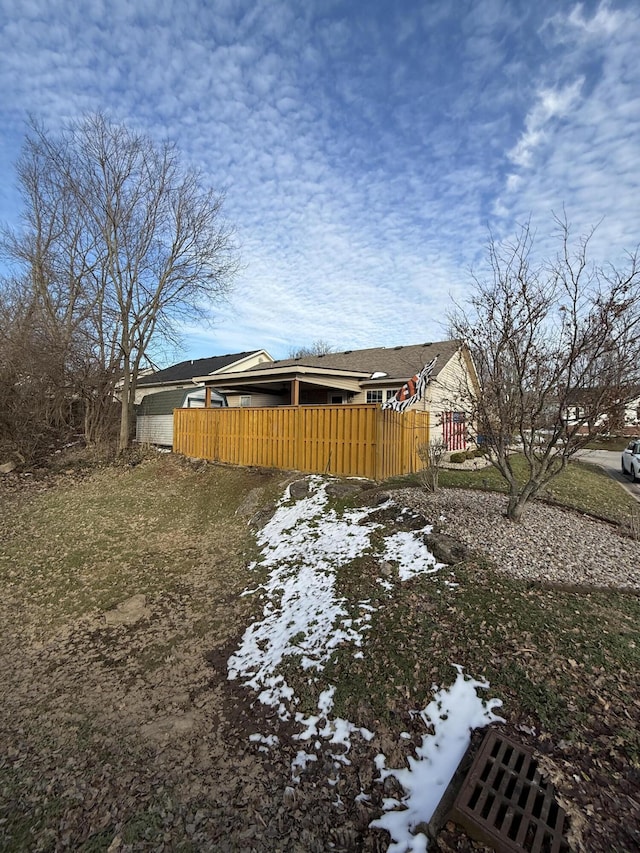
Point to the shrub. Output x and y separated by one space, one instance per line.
458 458
431 455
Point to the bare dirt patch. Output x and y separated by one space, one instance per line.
120 730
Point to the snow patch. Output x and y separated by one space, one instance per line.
452 713
410 554
303 618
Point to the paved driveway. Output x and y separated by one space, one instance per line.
610 461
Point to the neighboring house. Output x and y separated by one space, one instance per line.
182 375
624 415
632 412
361 376
154 416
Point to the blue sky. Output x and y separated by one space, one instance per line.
365 148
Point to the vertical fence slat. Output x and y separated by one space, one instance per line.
358 441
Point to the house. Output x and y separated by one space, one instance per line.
618 412
363 376
181 375
154 415
632 411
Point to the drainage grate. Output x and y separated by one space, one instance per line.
505 803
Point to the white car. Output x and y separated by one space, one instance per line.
631 460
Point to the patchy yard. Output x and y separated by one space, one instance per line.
193 659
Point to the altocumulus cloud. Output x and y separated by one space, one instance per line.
363 150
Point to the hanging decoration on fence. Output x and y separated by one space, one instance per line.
413 390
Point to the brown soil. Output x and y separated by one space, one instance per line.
120 731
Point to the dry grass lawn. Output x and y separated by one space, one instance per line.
119 730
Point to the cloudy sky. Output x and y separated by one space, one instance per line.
365 148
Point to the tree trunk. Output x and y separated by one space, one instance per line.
125 420
515 507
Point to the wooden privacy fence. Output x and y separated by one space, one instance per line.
356 441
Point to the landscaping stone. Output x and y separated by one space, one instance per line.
128 612
549 544
342 489
300 489
446 549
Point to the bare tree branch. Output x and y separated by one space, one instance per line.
557 349
120 243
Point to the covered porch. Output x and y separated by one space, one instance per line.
287 386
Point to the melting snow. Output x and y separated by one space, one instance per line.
453 713
303 545
411 554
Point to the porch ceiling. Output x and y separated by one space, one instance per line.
243 385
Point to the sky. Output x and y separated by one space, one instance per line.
305 619
366 150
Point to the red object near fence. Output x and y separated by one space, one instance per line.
454 430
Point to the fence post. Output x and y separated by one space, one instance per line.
379 446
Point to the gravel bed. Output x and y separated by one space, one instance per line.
549 543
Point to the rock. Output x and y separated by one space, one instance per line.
7 467
261 517
339 489
128 612
386 569
299 489
446 549
168 727
251 502
550 544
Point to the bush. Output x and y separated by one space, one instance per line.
458 458
431 455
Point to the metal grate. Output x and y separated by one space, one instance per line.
505 803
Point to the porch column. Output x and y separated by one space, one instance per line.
295 392
207 397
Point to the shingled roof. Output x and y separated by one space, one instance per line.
397 363
184 371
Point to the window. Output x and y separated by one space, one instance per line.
245 401
374 396
336 398
391 393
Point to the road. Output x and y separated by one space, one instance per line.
610 461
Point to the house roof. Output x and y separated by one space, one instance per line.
582 396
164 402
349 371
184 371
398 363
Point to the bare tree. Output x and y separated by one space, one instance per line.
120 244
557 349
431 454
56 300
35 406
318 347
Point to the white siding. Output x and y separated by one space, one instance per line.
248 362
449 392
155 429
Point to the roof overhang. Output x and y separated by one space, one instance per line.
236 366
275 378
